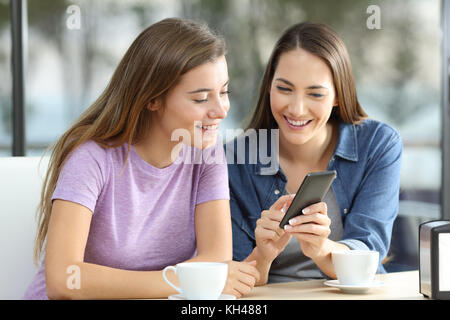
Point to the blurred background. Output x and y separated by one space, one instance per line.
397 69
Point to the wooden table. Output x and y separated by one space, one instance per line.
398 285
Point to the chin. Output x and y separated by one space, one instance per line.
208 143
297 139
205 144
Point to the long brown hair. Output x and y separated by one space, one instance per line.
323 42
149 69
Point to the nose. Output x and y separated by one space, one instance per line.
297 106
220 109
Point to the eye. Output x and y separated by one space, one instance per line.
200 100
225 92
316 95
283 89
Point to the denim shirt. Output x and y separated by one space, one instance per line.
367 160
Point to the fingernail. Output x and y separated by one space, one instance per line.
287 227
292 221
305 211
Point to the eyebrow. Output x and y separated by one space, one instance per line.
207 89
292 85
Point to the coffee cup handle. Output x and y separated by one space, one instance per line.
167 280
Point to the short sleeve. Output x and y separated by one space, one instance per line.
82 176
213 182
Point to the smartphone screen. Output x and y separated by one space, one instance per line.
312 190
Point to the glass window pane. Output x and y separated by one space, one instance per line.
73 49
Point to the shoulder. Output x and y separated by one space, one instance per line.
372 131
89 154
377 140
90 150
366 140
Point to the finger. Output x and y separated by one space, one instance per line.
242 288
236 293
266 234
317 218
319 207
247 279
284 240
311 238
279 204
309 228
275 215
270 225
249 269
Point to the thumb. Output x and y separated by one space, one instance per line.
283 241
282 201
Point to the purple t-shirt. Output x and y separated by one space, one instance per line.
143 216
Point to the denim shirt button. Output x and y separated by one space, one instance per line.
277 191
345 211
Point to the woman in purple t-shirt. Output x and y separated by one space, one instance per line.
131 187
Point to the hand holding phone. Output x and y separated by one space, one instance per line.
312 190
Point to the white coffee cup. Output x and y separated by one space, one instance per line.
355 267
199 280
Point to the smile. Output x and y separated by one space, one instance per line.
209 128
297 124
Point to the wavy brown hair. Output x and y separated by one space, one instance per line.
152 65
323 42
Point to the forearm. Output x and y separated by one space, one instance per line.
262 265
92 281
101 282
323 259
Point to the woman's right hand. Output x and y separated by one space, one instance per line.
270 238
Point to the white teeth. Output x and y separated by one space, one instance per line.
297 123
212 127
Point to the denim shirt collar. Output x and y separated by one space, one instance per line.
346 147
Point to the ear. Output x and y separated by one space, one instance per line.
154 105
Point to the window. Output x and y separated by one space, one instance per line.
74 46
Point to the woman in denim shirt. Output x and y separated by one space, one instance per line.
308 119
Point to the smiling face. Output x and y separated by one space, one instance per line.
198 103
302 96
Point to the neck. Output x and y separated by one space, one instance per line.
157 149
311 153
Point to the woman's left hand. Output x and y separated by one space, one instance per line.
242 277
312 229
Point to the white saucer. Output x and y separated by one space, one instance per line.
354 288
221 297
